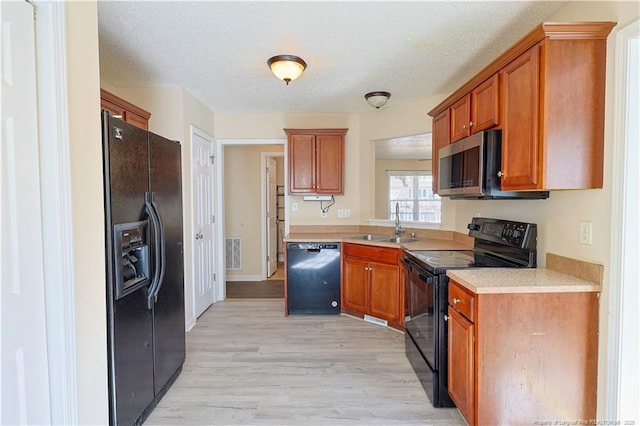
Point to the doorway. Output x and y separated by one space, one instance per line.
202 184
240 187
273 196
25 362
623 375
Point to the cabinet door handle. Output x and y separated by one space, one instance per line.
500 174
447 317
464 126
471 124
456 300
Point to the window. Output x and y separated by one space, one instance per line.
416 200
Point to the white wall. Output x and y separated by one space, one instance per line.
394 120
85 142
382 167
270 126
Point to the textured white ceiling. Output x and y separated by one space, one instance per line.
415 147
218 50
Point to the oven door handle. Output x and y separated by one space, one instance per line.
408 262
427 279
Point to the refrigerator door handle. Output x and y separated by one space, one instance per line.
157 252
163 257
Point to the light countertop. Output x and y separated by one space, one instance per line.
506 280
421 244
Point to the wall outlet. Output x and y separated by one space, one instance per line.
323 214
344 213
294 206
585 232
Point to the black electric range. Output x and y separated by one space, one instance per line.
497 244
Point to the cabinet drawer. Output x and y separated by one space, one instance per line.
371 253
461 300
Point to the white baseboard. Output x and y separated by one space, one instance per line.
189 325
243 277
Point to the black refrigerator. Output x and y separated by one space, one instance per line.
145 267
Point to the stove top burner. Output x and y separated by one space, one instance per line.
439 260
497 243
446 258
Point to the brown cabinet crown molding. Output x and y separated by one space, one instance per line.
548 30
108 96
316 131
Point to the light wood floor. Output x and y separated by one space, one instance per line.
248 364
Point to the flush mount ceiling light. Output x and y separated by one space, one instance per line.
287 67
377 99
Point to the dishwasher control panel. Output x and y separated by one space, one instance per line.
314 246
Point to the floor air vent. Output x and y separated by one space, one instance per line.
233 253
374 320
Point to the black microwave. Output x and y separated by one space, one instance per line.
470 169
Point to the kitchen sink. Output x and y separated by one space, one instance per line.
402 240
371 237
385 238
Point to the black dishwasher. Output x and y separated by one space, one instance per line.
313 278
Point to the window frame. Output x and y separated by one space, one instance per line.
416 196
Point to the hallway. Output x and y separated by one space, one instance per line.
272 287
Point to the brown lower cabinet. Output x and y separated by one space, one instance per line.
371 283
522 357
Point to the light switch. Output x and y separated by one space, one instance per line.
344 213
585 232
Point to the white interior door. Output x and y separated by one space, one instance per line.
203 238
25 373
272 218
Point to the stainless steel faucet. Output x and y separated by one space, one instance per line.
399 229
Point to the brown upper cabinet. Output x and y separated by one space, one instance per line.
124 110
546 93
440 138
476 111
316 161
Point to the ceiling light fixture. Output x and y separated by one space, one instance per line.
377 99
287 67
